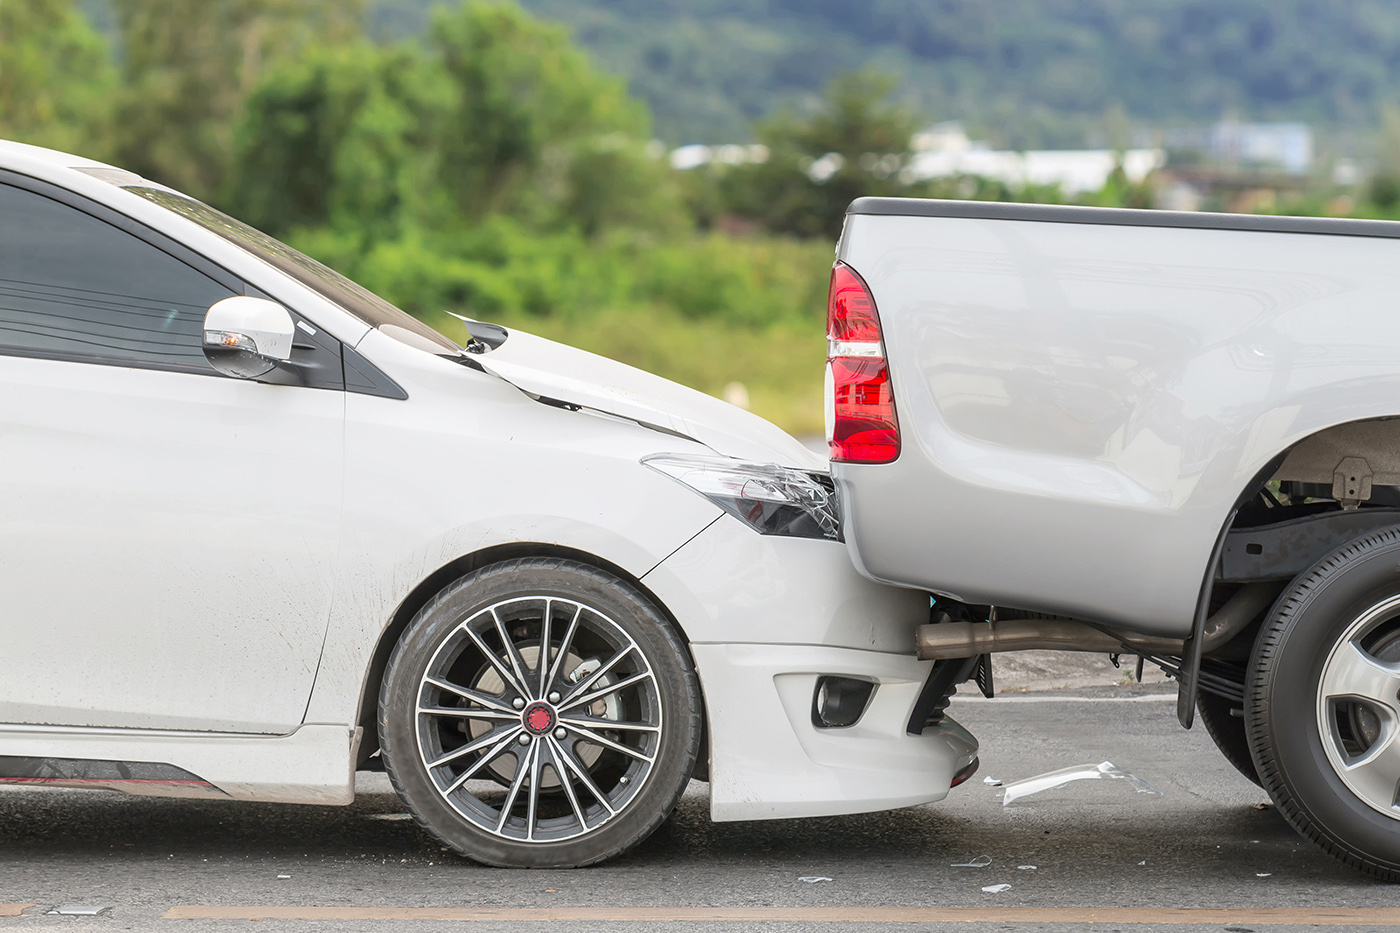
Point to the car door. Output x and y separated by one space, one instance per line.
168 535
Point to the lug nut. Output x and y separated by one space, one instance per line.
561 733
518 703
524 739
624 780
554 697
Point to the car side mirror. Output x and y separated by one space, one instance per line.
247 337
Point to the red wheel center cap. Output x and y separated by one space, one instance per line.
539 718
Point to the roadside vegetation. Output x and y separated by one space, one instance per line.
488 168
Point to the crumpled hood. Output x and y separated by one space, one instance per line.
566 374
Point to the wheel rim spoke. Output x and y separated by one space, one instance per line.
599 694
542 662
602 671
556 760
564 646
496 662
588 735
532 803
517 663
522 769
592 722
473 746
1353 672
584 778
465 712
1377 774
475 696
496 751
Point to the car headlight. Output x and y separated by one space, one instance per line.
769 498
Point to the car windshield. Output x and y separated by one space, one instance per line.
359 301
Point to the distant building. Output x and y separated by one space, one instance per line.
1286 146
945 151
1229 144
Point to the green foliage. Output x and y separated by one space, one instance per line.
343 137
188 68
55 75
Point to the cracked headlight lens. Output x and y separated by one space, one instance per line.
769 498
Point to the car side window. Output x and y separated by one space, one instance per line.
75 287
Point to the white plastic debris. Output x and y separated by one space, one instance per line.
813 879
996 888
1262 874
981 861
1026 867
80 910
284 877
1106 770
1143 862
991 782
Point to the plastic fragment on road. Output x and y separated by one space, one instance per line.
996 888
991 781
981 861
284 877
80 910
1026 867
1143 862
1262 874
813 879
1102 771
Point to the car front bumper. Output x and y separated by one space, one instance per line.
768 616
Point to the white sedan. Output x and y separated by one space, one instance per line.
259 529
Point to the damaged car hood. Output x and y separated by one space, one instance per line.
561 373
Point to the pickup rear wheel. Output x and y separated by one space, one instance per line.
539 713
1322 704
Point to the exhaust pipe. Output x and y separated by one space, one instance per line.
969 639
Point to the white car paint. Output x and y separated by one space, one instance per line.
201 571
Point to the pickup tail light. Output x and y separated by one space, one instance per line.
861 426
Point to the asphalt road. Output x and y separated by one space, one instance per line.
1202 844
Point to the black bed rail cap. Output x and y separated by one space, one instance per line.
1122 217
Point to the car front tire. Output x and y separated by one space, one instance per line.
540 713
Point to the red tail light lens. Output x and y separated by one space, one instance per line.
860 416
850 311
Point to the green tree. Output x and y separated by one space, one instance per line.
189 66
344 136
498 115
56 75
855 143
533 129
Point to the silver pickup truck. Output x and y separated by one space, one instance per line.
1175 436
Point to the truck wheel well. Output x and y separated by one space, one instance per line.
435 582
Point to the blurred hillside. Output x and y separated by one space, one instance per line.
1023 73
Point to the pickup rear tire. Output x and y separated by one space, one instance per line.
1225 725
1322 704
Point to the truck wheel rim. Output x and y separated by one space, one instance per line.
1358 707
569 699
